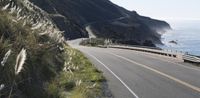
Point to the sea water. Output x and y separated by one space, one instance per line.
185 35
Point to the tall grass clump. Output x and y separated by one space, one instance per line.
28 60
80 79
38 66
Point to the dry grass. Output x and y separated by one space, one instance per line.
83 82
41 66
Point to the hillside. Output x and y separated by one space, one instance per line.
36 62
104 19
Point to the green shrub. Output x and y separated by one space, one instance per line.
44 59
93 42
42 75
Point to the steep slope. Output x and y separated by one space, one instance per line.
105 19
35 61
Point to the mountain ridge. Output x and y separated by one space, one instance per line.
106 18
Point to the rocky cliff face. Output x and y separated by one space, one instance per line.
103 18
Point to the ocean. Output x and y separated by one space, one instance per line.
184 37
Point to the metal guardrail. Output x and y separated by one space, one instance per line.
173 54
156 48
191 58
177 55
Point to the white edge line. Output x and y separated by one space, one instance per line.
161 73
133 93
153 56
181 65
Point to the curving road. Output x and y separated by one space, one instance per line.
133 74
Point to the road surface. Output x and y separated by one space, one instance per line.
133 74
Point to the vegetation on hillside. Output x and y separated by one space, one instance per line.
79 79
39 66
104 42
93 42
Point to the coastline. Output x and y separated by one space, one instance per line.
186 34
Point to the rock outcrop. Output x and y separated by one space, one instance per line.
105 20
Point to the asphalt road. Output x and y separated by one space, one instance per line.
133 74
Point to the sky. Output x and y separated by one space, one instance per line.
164 9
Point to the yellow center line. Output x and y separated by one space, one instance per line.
161 73
164 60
169 61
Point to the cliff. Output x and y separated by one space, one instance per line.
104 19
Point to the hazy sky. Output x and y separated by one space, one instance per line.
164 9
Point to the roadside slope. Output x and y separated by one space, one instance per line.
35 61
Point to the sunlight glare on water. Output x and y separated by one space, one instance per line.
186 34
